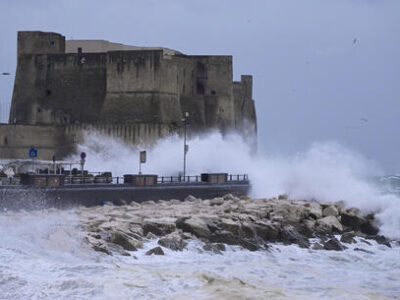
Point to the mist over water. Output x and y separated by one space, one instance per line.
325 172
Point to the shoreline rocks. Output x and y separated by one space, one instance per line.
249 223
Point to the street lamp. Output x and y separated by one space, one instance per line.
185 121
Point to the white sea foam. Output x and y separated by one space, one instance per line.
42 256
325 172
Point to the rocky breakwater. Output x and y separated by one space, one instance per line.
250 223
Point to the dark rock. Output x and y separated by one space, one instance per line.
149 227
246 230
348 238
363 250
122 240
101 248
333 244
158 228
249 245
199 227
172 242
216 248
229 225
317 246
290 235
225 237
155 251
351 220
369 228
358 223
380 239
267 231
283 197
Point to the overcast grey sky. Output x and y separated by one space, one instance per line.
323 70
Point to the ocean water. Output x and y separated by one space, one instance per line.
43 256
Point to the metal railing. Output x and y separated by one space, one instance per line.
98 180
196 178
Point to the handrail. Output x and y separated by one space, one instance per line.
117 180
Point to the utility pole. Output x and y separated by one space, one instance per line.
185 146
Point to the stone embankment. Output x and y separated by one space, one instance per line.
250 223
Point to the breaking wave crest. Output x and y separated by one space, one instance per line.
325 172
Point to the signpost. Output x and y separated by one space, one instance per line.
33 154
83 157
142 160
185 121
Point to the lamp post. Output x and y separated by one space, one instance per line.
185 146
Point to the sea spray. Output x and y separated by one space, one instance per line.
326 172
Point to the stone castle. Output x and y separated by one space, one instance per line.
140 94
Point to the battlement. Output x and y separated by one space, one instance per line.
38 42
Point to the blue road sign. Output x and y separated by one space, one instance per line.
33 152
83 155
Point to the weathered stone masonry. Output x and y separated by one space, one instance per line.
138 94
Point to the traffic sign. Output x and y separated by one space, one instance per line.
83 155
33 152
142 157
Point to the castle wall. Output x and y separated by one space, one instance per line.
16 140
141 87
245 112
74 89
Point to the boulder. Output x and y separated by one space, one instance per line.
330 211
348 237
231 197
290 235
249 244
317 246
307 227
266 230
155 251
101 248
340 206
197 226
190 198
314 209
329 224
380 239
290 212
217 201
229 225
283 197
159 227
358 223
123 240
225 237
173 242
216 248
333 244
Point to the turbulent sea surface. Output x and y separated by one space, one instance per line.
43 256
